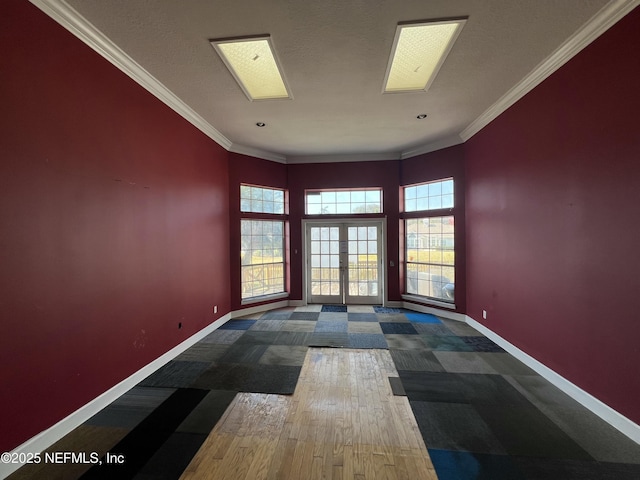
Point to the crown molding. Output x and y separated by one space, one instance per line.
69 18
347 157
446 142
596 26
257 152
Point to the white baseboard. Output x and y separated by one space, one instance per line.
259 308
604 411
48 437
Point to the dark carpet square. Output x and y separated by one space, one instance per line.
330 326
175 374
422 318
481 344
238 325
257 338
334 308
491 390
433 329
276 379
405 342
203 352
389 310
329 339
362 317
453 465
173 457
228 376
526 431
396 387
398 328
446 343
293 338
417 360
284 355
243 353
313 316
433 386
206 414
455 426
131 408
367 340
562 469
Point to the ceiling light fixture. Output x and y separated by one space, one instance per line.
418 52
254 65
421 116
261 124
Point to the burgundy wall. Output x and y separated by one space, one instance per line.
383 174
553 196
114 217
445 163
252 171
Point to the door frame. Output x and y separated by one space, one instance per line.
382 222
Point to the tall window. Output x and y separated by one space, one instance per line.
262 242
429 240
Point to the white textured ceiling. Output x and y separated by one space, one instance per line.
334 55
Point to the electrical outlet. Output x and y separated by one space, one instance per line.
215 309
484 314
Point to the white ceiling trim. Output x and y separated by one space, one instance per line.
70 19
350 157
256 152
595 27
432 147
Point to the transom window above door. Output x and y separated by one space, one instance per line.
343 202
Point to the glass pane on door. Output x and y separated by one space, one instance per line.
325 262
363 272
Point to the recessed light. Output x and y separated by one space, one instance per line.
261 124
418 52
421 116
254 65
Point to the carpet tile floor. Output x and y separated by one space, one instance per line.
482 413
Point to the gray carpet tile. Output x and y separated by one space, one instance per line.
172 458
602 441
223 337
455 426
433 386
460 328
203 418
506 364
366 340
284 355
257 338
364 327
491 390
481 344
396 387
333 317
329 339
526 431
463 362
298 326
228 376
566 469
418 360
331 326
131 408
405 342
362 317
276 379
268 325
276 315
446 343
243 353
312 316
392 318
176 374
203 352
540 391
432 329
293 338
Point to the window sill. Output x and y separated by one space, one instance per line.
264 298
428 301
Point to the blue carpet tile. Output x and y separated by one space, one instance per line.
362 317
367 340
389 310
334 308
422 318
481 344
456 465
398 328
238 325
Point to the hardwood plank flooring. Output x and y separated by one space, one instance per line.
342 422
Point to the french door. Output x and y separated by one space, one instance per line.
344 262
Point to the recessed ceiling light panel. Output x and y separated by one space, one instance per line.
254 65
419 50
